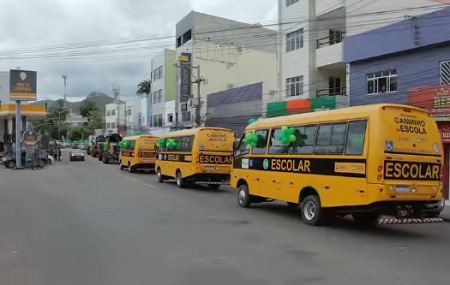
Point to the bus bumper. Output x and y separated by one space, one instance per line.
387 221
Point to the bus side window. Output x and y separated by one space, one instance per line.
275 145
305 140
356 137
262 143
331 138
242 148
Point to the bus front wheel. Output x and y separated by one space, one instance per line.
244 198
159 176
312 211
180 181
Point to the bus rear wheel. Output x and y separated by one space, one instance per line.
180 181
159 176
312 212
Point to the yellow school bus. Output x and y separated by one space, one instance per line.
138 153
369 161
196 156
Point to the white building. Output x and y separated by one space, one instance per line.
230 54
76 120
114 116
311 49
157 108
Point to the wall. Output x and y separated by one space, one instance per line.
366 15
414 69
160 84
233 108
297 62
170 75
426 30
226 67
4 88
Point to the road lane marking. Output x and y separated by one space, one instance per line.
128 177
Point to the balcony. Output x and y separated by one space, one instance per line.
331 92
329 53
324 7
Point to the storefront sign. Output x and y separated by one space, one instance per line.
22 85
185 76
445 132
434 99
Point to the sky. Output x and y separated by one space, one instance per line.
98 43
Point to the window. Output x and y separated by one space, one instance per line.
444 72
129 112
158 73
294 40
170 118
108 125
305 143
382 82
184 144
160 96
155 120
335 37
262 143
131 145
113 112
355 138
242 148
186 116
331 138
113 125
290 2
160 120
108 113
294 86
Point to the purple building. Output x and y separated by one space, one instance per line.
406 62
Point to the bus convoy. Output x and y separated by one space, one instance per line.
380 163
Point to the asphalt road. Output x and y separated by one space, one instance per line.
86 223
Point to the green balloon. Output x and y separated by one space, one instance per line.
285 141
291 131
254 144
255 138
247 141
292 138
284 129
248 136
251 121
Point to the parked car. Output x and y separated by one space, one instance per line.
9 161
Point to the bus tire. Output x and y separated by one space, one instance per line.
243 195
180 181
130 168
121 165
159 176
312 212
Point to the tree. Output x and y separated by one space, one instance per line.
88 108
76 133
144 88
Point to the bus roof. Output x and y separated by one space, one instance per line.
133 138
362 111
191 132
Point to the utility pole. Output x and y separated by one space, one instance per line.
65 89
198 108
116 92
198 80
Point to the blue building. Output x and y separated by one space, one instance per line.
406 62
233 108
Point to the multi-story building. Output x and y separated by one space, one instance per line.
156 107
114 116
8 111
411 66
227 57
313 74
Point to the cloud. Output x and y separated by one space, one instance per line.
103 42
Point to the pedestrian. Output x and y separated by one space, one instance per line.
58 149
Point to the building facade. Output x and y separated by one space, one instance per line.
412 66
114 117
163 92
233 108
311 62
8 112
225 55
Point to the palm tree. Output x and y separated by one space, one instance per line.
144 88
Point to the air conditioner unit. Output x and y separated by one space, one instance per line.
184 107
193 102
